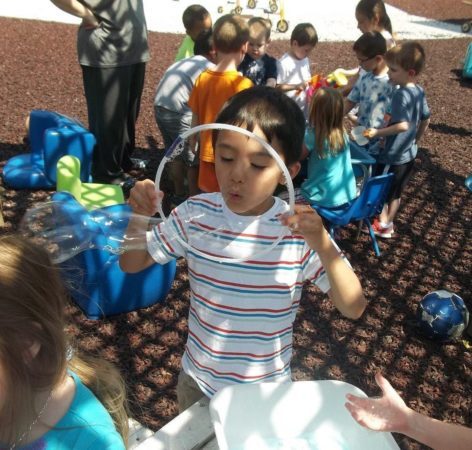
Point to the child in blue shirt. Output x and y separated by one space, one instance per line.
330 181
409 120
373 90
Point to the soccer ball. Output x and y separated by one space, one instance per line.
442 315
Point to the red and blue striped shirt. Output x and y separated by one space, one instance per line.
241 313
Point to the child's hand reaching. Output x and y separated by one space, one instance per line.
302 86
387 413
370 133
144 199
390 413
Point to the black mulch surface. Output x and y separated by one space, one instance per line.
431 249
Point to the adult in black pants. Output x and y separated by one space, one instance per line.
113 50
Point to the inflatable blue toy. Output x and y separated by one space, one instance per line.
94 277
51 136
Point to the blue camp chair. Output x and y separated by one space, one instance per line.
51 136
94 277
361 209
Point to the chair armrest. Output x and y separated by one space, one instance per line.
68 170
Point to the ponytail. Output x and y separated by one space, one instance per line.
104 380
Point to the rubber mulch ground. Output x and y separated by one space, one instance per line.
431 248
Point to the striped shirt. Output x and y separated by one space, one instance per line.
241 314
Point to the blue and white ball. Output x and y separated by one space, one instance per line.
442 315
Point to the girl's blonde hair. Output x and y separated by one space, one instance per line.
326 118
32 301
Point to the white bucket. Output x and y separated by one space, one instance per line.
299 415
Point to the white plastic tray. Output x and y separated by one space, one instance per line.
299 415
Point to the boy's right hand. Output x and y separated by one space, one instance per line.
370 133
144 198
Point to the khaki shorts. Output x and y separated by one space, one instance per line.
188 391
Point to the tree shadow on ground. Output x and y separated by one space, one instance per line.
448 129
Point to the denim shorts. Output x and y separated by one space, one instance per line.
171 125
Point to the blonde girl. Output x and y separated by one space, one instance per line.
44 399
330 179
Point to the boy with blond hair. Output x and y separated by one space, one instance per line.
293 68
409 120
196 19
257 65
214 86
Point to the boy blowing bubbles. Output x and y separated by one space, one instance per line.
241 314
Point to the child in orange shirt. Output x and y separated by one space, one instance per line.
214 86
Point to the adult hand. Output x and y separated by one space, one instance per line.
89 21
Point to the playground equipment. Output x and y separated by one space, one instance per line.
466 26
273 7
94 277
238 9
282 24
51 136
89 195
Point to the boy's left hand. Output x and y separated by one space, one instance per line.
305 221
